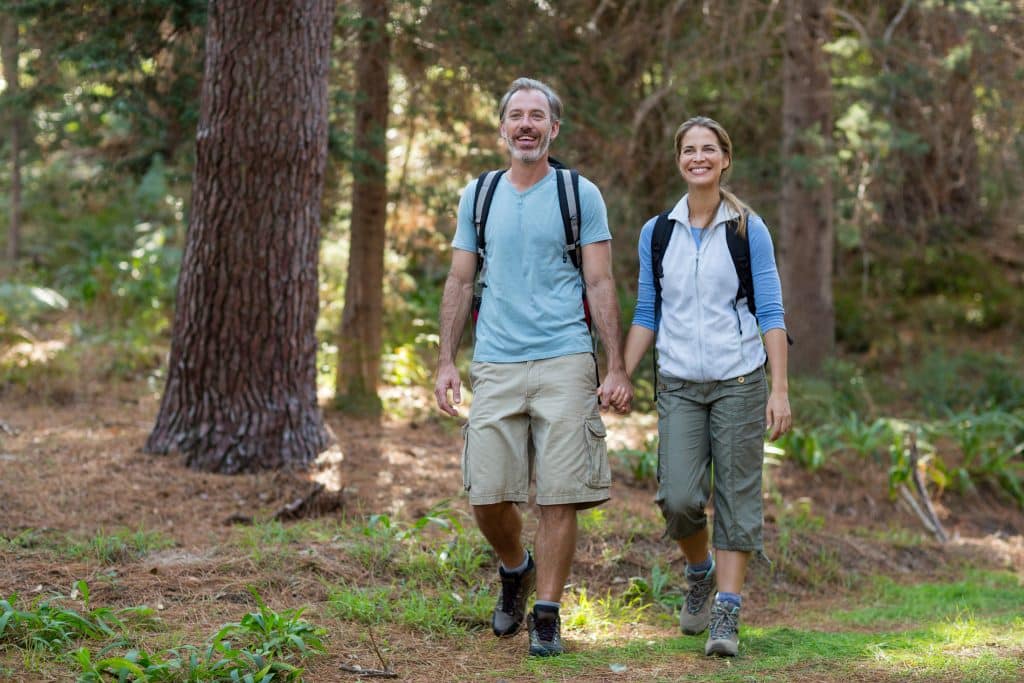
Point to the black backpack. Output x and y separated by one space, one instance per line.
568 182
739 250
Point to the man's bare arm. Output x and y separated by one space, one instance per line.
455 306
604 309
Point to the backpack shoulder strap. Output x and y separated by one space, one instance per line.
486 184
739 249
659 243
568 182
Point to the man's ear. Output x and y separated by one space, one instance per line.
555 125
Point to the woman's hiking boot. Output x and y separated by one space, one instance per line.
724 635
515 590
696 611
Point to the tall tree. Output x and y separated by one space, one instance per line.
805 212
934 189
241 387
9 53
359 347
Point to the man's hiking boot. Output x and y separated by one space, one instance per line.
696 611
511 607
545 628
724 635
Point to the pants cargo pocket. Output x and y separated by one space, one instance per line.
465 457
599 474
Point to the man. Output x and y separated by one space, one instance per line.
535 405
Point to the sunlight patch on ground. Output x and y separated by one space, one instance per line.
329 465
27 353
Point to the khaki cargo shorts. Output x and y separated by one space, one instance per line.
540 420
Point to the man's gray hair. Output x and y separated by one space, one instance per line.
554 103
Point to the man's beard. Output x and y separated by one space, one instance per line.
529 156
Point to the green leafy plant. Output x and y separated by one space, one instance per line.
659 589
992 446
642 463
803 447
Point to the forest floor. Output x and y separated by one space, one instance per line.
76 471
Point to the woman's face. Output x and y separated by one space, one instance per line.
701 159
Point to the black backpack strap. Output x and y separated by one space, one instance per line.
568 182
486 184
739 249
659 243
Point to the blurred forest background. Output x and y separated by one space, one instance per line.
881 141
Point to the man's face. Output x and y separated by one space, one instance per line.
527 128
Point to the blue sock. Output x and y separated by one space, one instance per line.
702 568
546 606
521 568
733 598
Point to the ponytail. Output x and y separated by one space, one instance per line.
739 207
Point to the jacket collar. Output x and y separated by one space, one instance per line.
681 212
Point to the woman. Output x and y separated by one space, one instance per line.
713 400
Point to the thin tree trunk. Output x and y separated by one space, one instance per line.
241 387
9 47
806 230
359 347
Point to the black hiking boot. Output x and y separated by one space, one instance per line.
545 628
511 607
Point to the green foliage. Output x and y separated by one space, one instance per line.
661 589
969 381
22 304
992 447
802 446
641 463
119 546
49 626
269 634
260 647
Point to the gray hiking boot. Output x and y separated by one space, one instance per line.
545 628
511 607
724 636
696 612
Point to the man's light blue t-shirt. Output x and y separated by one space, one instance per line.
532 305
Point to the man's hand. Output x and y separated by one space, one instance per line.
616 391
448 379
777 415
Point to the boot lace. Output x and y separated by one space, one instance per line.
698 594
725 621
510 588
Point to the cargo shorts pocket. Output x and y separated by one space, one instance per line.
599 472
465 457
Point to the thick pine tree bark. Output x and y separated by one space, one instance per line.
9 54
241 387
805 215
359 345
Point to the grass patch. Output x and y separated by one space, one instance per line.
119 546
998 596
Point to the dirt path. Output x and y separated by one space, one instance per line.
77 470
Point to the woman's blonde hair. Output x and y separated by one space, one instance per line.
725 142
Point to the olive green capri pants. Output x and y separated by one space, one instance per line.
705 428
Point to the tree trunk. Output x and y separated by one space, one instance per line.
805 214
361 326
935 191
9 54
241 386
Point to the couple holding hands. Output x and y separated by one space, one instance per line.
536 399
